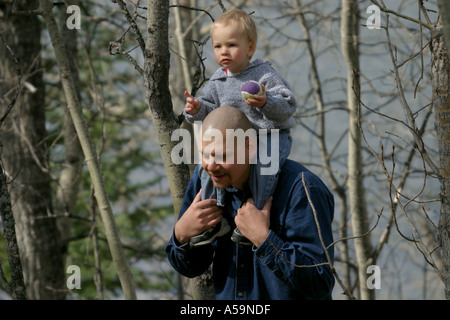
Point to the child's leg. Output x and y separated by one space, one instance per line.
265 178
264 174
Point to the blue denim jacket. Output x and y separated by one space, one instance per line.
270 271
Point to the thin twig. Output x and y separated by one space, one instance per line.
387 11
324 247
133 24
406 108
193 9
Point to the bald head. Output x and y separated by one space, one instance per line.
227 131
223 118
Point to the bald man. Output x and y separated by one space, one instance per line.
224 164
283 234
234 134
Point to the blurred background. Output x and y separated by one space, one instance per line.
355 79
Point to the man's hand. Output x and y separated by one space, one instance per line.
259 101
200 216
192 104
253 223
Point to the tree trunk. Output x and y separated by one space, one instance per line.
186 30
440 80
25 158
70 177
79 121
16 287
349 41
156 81
444 11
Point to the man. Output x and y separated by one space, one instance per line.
285 258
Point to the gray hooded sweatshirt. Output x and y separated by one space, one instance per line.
224 89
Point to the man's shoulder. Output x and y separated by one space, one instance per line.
293 168
293 172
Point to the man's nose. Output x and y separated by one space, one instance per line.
212 165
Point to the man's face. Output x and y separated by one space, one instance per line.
220 161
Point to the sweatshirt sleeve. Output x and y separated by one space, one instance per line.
208 102
281 103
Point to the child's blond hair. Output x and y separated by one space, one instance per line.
240 19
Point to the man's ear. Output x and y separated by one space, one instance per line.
251 146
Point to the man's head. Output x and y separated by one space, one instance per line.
228 145
234 38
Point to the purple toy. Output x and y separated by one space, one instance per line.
250 88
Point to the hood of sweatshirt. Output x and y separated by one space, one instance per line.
222 73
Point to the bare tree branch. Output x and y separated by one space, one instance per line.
398 14
88 147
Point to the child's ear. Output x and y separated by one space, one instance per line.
251 49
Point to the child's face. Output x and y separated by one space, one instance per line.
232 50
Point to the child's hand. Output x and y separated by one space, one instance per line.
192 104
259 101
